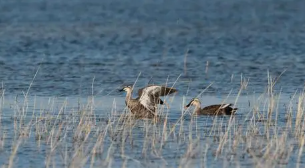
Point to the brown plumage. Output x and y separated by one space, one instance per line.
144 106
218 109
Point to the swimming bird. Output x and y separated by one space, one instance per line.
217 109
144 106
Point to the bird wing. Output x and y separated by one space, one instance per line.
150 94
211 108
223 106
215 108
163 90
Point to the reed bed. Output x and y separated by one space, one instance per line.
264 133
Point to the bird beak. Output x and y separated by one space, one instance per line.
187 106
120 90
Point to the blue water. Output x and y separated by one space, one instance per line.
80 48
113 41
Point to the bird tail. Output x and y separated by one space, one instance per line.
230 110
234 110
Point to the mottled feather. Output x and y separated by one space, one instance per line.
144 106
217 109
149 96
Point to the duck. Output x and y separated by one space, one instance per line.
217 109
144 106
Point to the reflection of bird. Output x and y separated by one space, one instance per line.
218 109
144 106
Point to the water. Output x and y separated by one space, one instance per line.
113 41
80 48
35 153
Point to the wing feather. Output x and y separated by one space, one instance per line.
150 94
225 106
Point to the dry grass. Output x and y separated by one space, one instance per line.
261 135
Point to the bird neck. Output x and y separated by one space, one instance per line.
128 95
197 108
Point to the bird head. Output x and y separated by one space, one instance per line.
194 101
126 88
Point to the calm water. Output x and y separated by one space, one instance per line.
113 41
79 43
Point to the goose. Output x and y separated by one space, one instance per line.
217 109
144 106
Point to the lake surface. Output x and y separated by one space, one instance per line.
142 145
81 48
112 41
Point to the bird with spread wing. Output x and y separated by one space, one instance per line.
144 106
